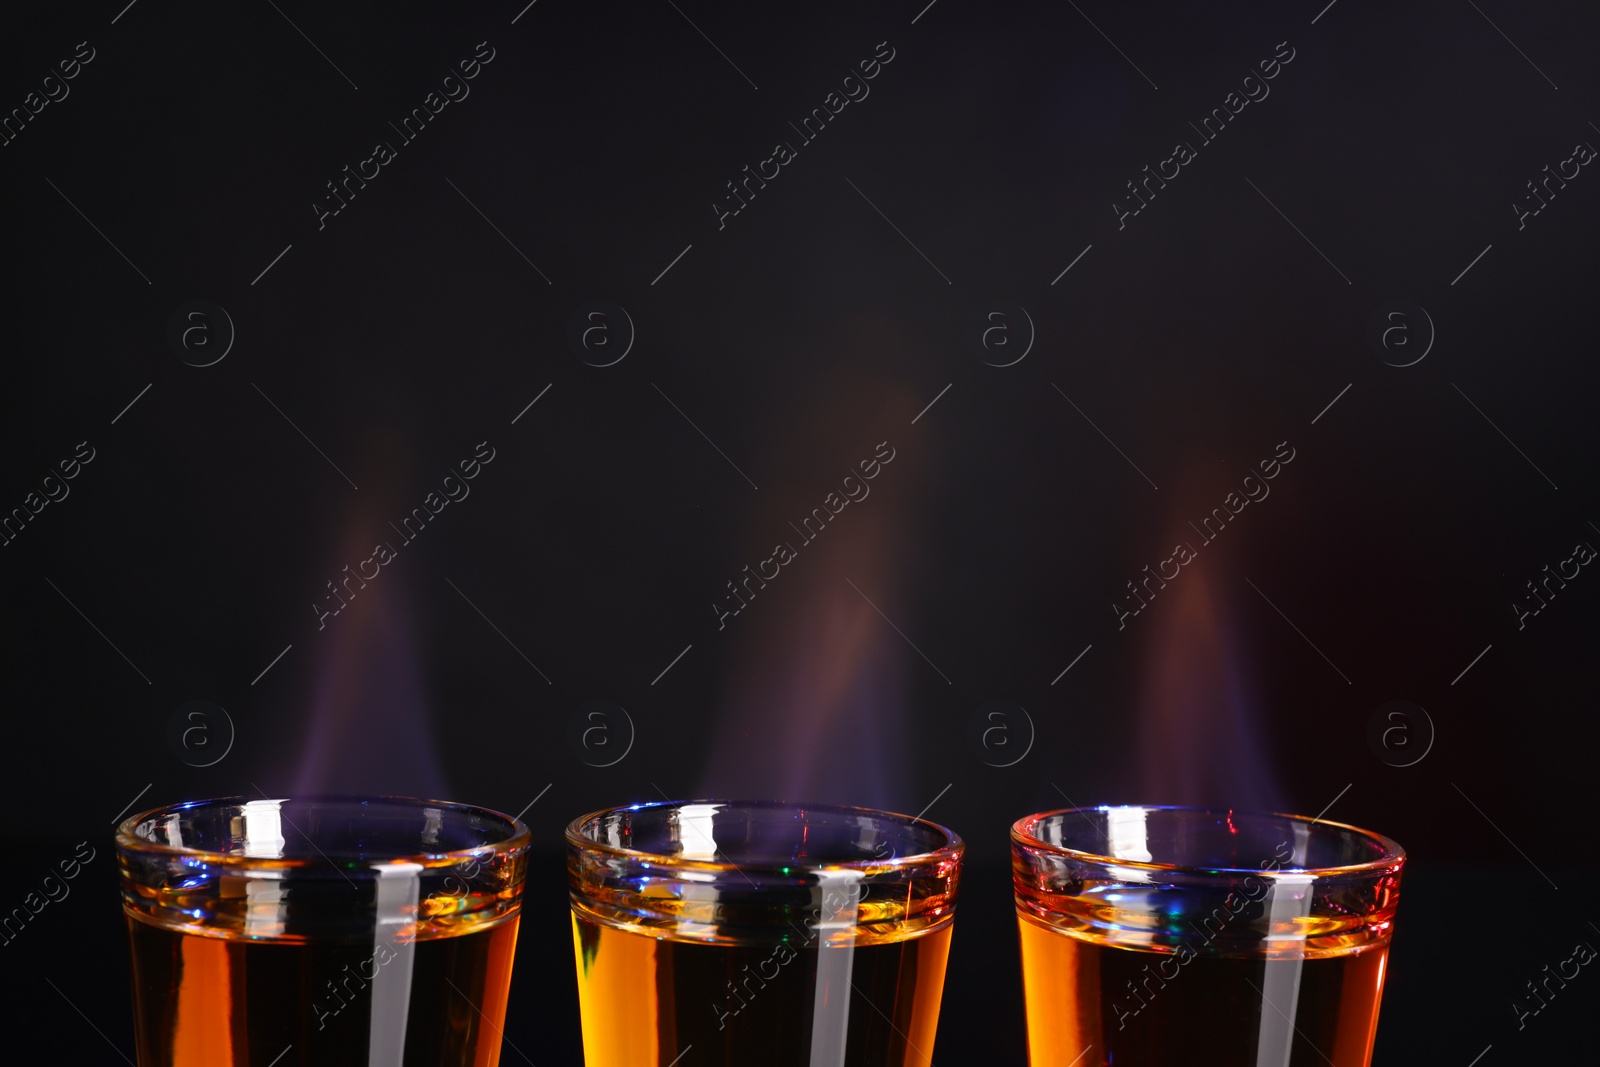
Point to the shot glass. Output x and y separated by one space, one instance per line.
1162 936
760 933
321 931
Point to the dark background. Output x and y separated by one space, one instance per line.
379 350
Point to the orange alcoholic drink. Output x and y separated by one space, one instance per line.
769 934
324 931
1167 936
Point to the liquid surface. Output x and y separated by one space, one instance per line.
231 1002
646 1001
1092 1004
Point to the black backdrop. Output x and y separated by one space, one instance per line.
952 272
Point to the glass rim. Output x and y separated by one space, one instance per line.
127 841
952 849
1394 856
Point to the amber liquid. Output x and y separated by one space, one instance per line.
1128 1006
230 1002
646 1001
